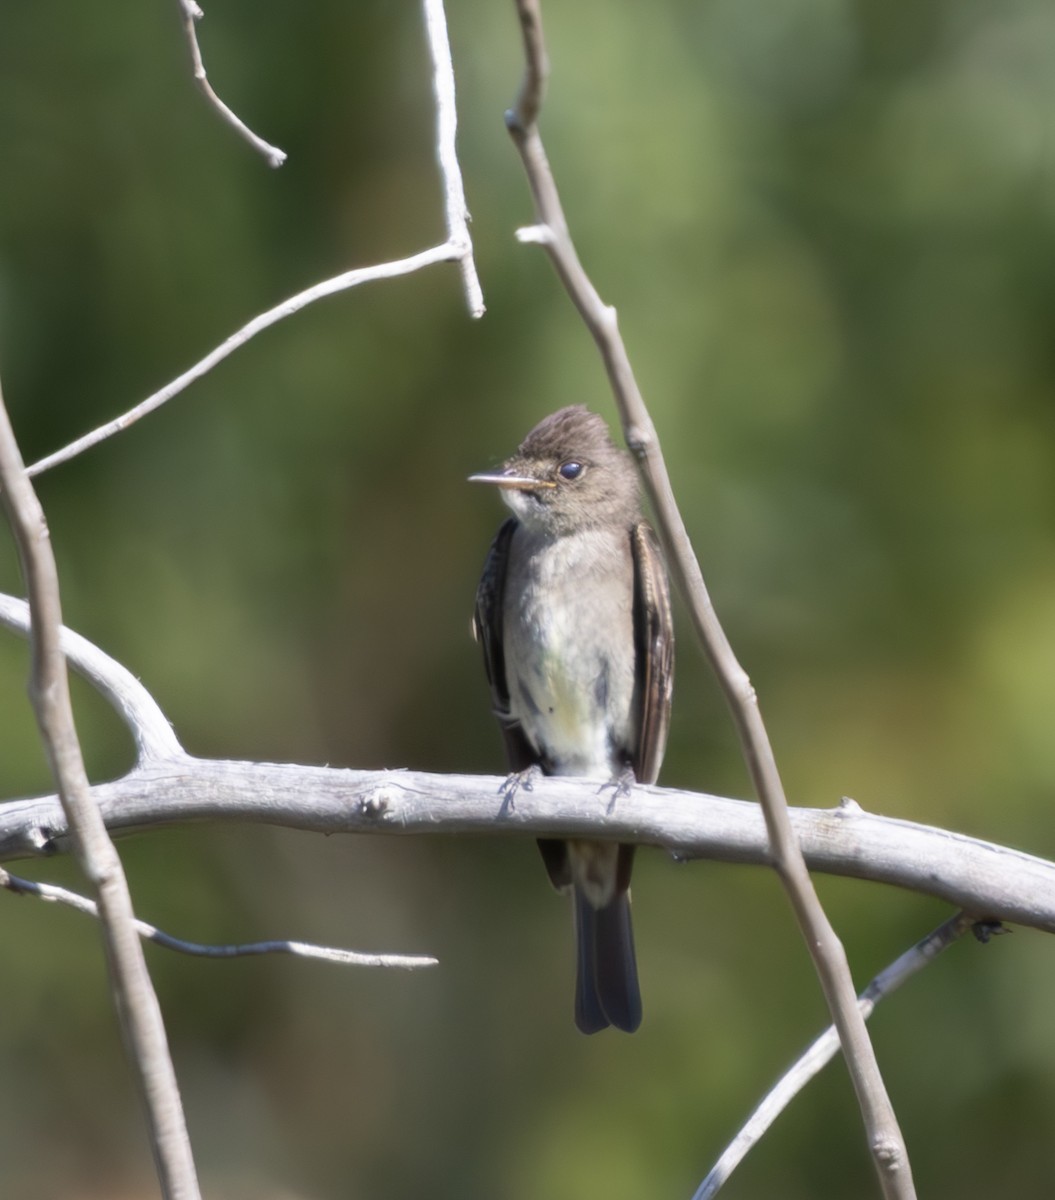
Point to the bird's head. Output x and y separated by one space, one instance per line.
568 475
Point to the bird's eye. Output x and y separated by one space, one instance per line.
570 470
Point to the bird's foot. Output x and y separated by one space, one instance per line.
622 785
525 779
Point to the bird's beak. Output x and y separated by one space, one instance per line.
524 483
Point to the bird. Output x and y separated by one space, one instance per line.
573 616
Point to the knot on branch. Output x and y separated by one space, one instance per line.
888 1153
376 802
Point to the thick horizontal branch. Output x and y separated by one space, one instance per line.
984 879
168 786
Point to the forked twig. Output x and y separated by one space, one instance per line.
824 1049
829 957
457 248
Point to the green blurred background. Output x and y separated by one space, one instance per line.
829 229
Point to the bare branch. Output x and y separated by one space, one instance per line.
986 879
116 684
138 1012
458 247
448 252
169 786
59 895
884 1135
190 13
825 1048
446 152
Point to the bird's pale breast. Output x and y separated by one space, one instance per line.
569 648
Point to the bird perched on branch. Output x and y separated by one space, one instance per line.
573 615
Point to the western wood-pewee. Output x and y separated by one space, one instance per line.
573 614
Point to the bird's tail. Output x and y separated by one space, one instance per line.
606 987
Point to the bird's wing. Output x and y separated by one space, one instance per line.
654 638
487 629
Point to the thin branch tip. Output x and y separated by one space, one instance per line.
192 13
53 894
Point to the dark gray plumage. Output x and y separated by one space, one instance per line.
573 615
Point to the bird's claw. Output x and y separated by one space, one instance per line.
514 782
622 785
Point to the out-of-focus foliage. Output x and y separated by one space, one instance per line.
829 229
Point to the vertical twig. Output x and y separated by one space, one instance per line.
884 1136
137 1006
454 204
